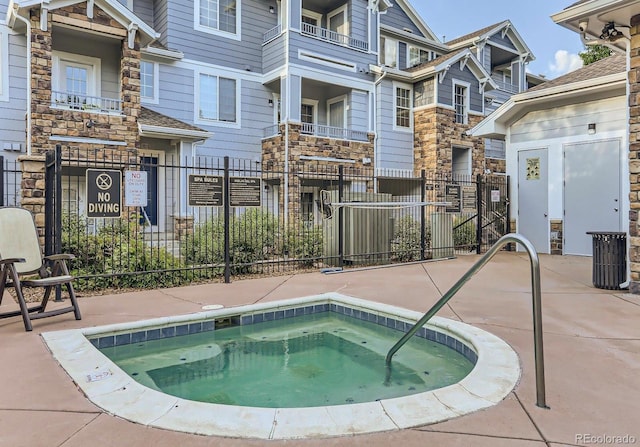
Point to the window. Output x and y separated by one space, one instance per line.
460 102
336 112
402 107
419 56
338 21
388 52
76 81
149 81
307 116
4 63
218 17
217 99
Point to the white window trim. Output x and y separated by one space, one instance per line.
337 99
155 99
94 88
383 51
207 122
396 128
467 98
314 103
275 97
4 63
337 11
313 15
205 29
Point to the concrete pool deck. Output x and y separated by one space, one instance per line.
592 355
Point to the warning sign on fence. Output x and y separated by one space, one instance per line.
104 193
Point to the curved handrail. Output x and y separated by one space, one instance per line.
535 295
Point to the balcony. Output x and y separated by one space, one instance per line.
507 86
271 34
334 37
317 130
85 103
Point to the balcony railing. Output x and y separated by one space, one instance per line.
85 103
338 133
334 37
317 130
272 34
507 86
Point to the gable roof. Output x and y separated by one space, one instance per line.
603 79
475 37
441 65
113 8
415 18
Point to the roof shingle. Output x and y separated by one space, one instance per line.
610 65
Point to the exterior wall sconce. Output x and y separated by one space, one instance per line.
90 124
270 102
591 129
272 10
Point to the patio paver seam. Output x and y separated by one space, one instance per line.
544 438
72 435
480 435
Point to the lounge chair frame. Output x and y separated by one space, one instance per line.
51 271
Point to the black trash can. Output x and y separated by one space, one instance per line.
609 259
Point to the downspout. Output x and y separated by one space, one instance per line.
375 125
29 57
287 116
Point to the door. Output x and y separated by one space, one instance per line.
592 193
533 198
150 212
336 113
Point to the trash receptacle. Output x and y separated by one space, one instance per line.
609 259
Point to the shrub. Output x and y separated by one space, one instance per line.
464 235
304 243
405 245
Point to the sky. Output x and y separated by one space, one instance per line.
554 47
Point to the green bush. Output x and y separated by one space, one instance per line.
116 256
464 235
405 245
304 243
252 235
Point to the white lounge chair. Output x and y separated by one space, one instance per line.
22 265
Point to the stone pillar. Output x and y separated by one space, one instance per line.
634 156
32 189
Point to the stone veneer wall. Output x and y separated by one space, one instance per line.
48 121
273 154
634 156
496 165
435 133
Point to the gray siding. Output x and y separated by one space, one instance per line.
402 56
12 112
329 51
486 58
395 149
161 20
144 10
424 93
358 113
198 45
395 17
273 55
445 90
502 41
358 20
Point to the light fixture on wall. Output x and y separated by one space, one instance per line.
272 10
611 33
90 123
591 129
270 102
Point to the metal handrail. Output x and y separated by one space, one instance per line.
535 296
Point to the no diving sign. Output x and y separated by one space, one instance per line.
104 193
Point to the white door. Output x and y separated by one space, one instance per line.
533 198
592 193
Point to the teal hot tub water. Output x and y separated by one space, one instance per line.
326 358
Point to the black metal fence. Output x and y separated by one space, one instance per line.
141 219
10 179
